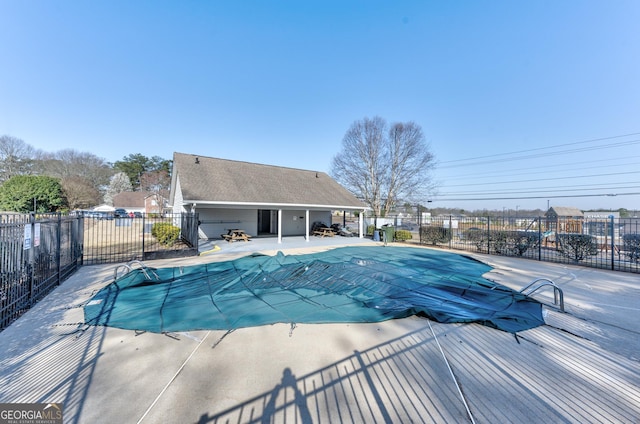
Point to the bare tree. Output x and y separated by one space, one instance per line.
15 157
69 162
119 183
155 181
384 165
80 192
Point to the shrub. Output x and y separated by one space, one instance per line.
503 242
166 234
402 235
370 229
631 246
513 243
435 235
476 236
499 241
577 246
522 241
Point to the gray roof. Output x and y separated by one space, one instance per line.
564 211
205 179
130 199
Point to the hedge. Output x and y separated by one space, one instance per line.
435 235
504 242
166 234
577 246
402 235
631 246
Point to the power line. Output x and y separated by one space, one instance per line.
436 198
547 179
540 155
538 190
506 172
544 148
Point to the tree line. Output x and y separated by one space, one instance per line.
35 180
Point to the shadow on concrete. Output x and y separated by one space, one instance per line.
391 382
451 373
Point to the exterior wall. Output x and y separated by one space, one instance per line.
152 204
178 199
293 223
321 216
214 222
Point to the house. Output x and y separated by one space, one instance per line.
157 202
562 219
141 201
131 201
259 199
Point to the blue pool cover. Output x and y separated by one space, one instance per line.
349 284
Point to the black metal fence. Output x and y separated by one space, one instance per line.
37 253
110 239
606 243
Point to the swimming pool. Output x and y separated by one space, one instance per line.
347 284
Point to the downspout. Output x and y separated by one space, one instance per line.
279 226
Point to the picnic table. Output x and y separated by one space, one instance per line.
236 235
324 231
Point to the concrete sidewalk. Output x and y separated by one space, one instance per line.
582 366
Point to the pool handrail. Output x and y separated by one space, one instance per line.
535 285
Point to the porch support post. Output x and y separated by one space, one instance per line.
306 229
279 225
361 224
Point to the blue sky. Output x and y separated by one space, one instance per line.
280 82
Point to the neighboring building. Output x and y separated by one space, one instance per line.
259 199
562 219
156 203
601 215
141 201
131 201
599 224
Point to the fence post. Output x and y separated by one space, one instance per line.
450 231
539 238
58 248
613 244
488 235
144 217
419 223
80 237
32 224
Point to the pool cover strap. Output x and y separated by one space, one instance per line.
349 284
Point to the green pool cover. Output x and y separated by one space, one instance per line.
349 284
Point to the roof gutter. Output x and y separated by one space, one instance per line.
264 205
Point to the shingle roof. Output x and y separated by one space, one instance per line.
130 199
565 211
206 179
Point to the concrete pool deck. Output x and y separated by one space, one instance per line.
583 366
